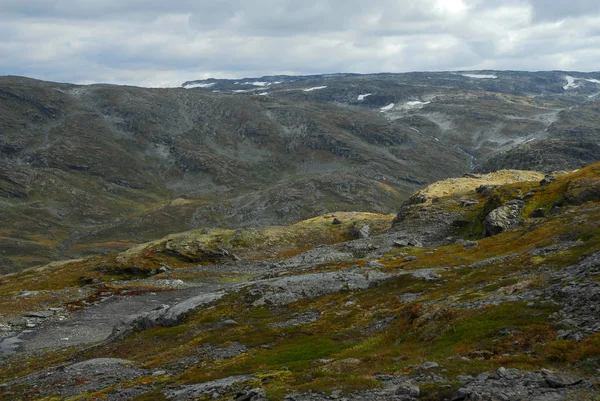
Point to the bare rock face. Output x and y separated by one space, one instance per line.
287 290
515 384
502 219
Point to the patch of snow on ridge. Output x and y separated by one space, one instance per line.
314 89
257 83
388 107
362 97
480 76
416 103
263 94
570 83
206 85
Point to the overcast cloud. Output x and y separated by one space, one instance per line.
163 43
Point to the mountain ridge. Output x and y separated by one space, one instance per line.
94 169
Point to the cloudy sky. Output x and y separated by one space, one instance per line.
163 43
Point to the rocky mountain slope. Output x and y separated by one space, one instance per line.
94 169
480 288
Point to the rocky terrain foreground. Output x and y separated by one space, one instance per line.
484 287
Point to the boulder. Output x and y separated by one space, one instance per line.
408 392
502 219
560 380
256 394
470 244
364 232
429 365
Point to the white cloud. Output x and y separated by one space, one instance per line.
157 43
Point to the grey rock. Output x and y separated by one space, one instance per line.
560 380
427 274
163 315
515 384
228 323
429 365
178 312
188 392
256 394
17 322
470 244
99 362
410 258
286 290
364 232
375 264
41 314
408 391
502 219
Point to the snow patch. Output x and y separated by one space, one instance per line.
388 107
263 94
257 83
314 89
480 76
362 97
205 85
570 83
416 103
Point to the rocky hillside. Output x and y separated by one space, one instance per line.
480 288
88 170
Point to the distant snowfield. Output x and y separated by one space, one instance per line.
572 82
388 107
192 86
362 97
415 104
314 89
480 76
257 83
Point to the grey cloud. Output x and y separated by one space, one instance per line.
150 42
558 10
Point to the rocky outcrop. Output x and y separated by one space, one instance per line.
208 389
516 385
286 290
502 218
163 315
